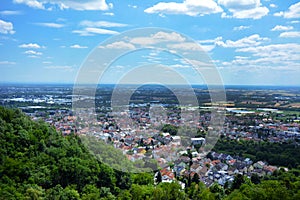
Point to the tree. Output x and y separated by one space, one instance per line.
143 178
90 192
237 182
196 178
255 179
169 128
158 177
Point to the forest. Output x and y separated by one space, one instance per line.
280 154
37 162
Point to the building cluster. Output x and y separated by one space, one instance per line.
178 156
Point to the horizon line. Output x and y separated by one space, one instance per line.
70 83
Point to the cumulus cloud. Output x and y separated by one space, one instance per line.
186 46
7 63
60 67
290 34
292 12
98 27
119 45
187 7
33 53
89 31
209 45
282 28
271 57
239 28
67 4
10 12
31 3
105 24
77 46
51 25
288 51
30 46
6 27
109 14
295 22
253 40
157 38
240 4
243 9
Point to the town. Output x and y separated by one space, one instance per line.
179 153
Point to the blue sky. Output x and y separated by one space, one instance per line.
252 42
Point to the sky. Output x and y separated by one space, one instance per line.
250 42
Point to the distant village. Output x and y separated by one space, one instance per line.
176 160
179 156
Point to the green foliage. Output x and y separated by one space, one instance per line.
196 178
199 192
143 178
36 162
280 154
238 181
169 128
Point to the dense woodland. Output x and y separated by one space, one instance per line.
36 162
279 154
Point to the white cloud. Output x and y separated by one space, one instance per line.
272 5
278 14
274 58
7 63
255 13
30 46
187 7
290 34
282 28
47 62
77 46
209 45
51 25
239 28
89 31
253 40
240 4
101 31
33 53
67 4
60 67
210 41
31 3
108 14
92 27
132 6
293 12
190 46
6 27
10 12
284 52
243 9
198 63
168 36
105 24
295 22
158 38
119 45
